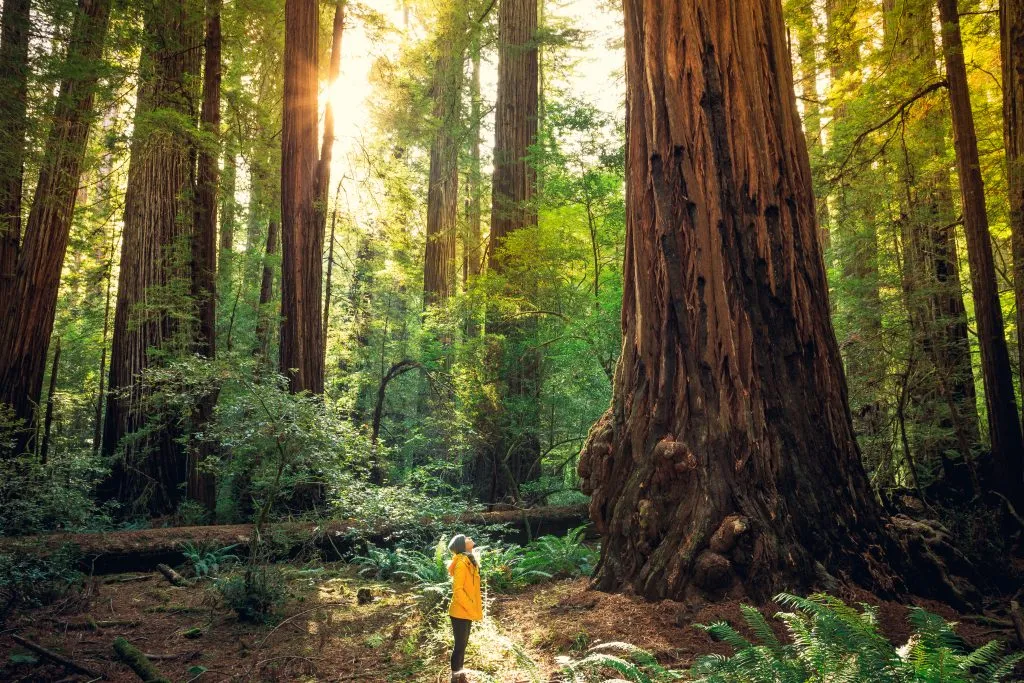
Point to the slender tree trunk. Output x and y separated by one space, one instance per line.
154 261
323 174
514 449
264 326
1011 24
473 249
443 184
330 275
44 450
30 297
302 239
101 394
228 181
727 461
201 482
14 34
1003 419
931 270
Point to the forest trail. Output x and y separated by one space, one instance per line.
326 634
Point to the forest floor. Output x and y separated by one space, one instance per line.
325 634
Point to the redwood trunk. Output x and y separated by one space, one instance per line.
1011 23
728 460
514 448
30 298
302 239
323 174
1003 419
443 184
14 34
201 482
157 231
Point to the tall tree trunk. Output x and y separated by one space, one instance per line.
264 326
157 235
728 457
14 34
30 298
473 247
443 184
323 173
931 270
1003 419
228 182
201 482
44 449
855 237
1011 25
302 239
514 448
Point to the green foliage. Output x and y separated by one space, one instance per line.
256 594
29 577
380 563
564 556
628 661
834 642
207 560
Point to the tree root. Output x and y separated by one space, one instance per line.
942 570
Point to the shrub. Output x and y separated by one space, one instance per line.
502 568
380 563
31 578
207 560
256 594
429 572
564 556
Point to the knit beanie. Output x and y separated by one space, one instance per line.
458 544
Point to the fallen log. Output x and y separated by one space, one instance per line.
141 550
172 576
137 662
56 658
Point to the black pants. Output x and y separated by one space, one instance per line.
461 628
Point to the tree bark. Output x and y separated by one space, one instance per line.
158 216
443 183
301 354
1003 419
513 453
1011 25
14 34
727 461
29 301
201 485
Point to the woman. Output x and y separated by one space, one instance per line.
467 603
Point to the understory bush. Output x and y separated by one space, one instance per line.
206 560
31 578
256 594
828 641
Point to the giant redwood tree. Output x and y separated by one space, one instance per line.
29 301
151 313
14 34
727 458
302 239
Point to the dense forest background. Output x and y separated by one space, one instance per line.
268 258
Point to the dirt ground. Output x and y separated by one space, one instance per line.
324 634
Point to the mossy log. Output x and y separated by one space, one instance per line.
137 661
54 657
141 550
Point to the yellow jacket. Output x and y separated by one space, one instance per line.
467 602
